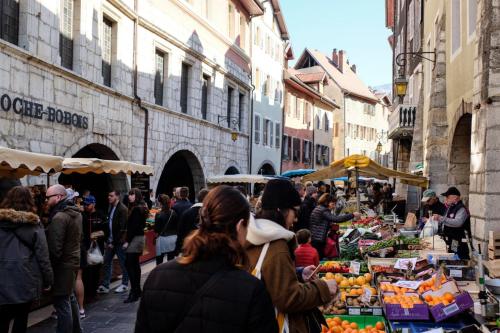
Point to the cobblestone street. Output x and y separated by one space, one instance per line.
107 314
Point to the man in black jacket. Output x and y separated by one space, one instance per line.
114 233
306 207
189 221
183 203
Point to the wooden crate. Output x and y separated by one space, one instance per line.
493 253
494 239
493 268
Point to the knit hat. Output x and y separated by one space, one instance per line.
280 193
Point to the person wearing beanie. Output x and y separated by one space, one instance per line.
322 220
270 249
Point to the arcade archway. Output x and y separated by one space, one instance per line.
459 165
232 171
267 170
182 169
99 185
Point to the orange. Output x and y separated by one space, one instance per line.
428 298
329 276
336 329
379 325
368 277
345 322
344 284
354 326
352 281
338 278
360 281
449 297
337 320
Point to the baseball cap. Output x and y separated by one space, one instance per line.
89 200
451 191
428 194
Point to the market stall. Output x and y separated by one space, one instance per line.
392 280
17 163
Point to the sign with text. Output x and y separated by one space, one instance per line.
26 108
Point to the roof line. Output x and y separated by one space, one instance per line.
322 98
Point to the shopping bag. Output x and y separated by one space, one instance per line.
94 255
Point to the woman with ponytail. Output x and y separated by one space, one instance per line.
206 290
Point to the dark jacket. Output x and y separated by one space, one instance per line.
181 206
306 208
24 257
437 208
63 237
119 224
136 222
188 222
321 221
166 223
238 302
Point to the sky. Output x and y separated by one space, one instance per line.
356 26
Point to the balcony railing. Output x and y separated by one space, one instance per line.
402 121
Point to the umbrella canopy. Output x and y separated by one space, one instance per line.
241 178
367 168
95 165
17 163
297 173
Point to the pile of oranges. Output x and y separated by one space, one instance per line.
406 301
337 325
431 284
446 299
345 282
394 289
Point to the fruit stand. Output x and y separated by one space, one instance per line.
391 282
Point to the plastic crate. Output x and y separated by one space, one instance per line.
362 321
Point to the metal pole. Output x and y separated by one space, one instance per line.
357 189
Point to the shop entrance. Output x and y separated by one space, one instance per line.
99 185
459 165
267 170
182 169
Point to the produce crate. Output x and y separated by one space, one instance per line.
462 302
420 327
397 312
364 310
362 321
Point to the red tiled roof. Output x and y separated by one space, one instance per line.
311 77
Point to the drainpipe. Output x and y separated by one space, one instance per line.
137 99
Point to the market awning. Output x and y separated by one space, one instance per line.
17 163
297 173
241 178
95 165
367 168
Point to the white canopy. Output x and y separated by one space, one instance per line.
95 165
17 163
240 178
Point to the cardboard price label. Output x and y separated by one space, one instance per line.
406 263
456 273
354 267
408 284
367 294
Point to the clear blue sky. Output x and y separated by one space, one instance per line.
357 26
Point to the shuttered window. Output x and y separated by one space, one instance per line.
159 76
257 129
9 20
184 87
204 96
241 110
229 105
66 34
278 135
107 47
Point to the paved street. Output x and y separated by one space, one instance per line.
107 314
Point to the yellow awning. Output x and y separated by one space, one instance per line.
95 165
366 167
17 163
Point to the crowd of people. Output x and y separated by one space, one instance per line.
256 264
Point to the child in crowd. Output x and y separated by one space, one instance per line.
305 254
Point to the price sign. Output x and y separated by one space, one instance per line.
405 263
354 311
408 284
367 294
451 309
354 267
456 273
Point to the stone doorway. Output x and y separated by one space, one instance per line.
267 170
99 185
459 161
182 169
232 171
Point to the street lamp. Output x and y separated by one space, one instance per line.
401 84
231 121
379 147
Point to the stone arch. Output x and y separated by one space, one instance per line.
99 185
182 168
459 154
232 164
232 171
86 140
267 168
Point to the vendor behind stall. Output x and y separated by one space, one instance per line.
431 205
454 223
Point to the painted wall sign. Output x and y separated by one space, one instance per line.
27 108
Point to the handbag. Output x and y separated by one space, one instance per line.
94 255
165 244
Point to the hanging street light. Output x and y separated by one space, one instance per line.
379 147
401 85
233 123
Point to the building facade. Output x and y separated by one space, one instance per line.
304 145
154 82
357 125
460 88
270 36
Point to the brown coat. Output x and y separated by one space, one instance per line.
288 294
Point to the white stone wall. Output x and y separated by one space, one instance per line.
32 71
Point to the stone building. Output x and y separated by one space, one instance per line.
156 82
356 124
461 103
270 37
307 140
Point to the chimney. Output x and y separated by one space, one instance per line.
342 60
353 68
335 57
